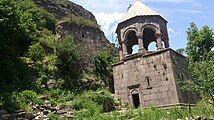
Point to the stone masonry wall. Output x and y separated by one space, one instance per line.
133 74
181 73
91 40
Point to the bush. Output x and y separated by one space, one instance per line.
68 62
105 99
88 109
9 102
53 116
22 100
27 97
102 98
59 97
92 104
102 68
204 109
80 21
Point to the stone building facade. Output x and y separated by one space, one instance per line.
147 77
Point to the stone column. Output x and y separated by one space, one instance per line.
124 49
140 42
120 52
158 36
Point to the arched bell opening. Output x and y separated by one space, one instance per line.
152 46
148 37
131 42
135 49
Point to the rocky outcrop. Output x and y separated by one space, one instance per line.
63 8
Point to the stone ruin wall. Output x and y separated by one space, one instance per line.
91 40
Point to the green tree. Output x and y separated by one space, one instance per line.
17 29
201 59
181 51
200 43
24 28
68 57
102 67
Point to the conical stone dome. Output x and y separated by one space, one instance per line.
138 9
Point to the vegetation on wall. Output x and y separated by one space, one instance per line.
80 21
68 62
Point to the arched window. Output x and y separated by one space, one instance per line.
83 35
148 82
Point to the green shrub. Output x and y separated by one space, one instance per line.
53 116
89 109
36 52
15 100
9 102
105 99
203 108
101 97
178 113
26 97
80 21
59 97
92 104
68 62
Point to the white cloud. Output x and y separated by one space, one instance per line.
108 22
173 33
169 1
186 11
171 30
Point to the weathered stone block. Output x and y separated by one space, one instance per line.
164 94
152 96
159 95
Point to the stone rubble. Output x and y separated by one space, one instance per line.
39 112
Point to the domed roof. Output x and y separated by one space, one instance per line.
138 9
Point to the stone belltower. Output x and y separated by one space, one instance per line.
148 77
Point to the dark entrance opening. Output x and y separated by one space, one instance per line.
136 100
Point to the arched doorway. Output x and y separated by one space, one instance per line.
135 98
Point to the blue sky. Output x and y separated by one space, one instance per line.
178 13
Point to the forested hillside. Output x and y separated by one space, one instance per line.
34 58
30 48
